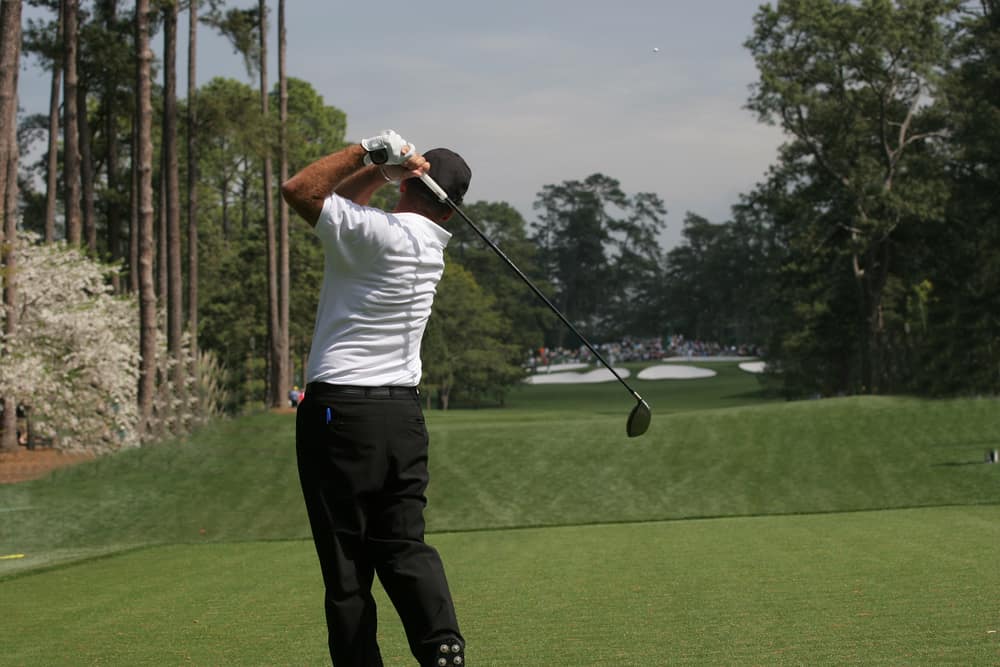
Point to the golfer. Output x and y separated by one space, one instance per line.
360 436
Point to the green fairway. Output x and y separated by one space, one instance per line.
557 530
905 587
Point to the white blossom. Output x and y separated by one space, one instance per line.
73 360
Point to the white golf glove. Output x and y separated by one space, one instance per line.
387 148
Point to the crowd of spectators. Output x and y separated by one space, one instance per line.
636 349
681 347
628 349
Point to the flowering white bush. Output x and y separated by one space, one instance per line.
74 359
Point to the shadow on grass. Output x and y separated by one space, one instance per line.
960 463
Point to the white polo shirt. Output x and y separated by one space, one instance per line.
381 271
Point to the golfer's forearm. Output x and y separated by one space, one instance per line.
306 191
361 185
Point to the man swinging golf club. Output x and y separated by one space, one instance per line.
360 438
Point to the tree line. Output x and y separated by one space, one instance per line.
113 162
865 261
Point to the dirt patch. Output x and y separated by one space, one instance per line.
25 464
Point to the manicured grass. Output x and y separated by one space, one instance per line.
198 552
520 467
817 456
237 480
904 587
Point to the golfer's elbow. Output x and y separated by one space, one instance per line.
291 192
296 195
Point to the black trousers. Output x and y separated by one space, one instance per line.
362 458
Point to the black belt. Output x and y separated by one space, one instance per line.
322 389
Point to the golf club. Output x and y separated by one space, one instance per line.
638 419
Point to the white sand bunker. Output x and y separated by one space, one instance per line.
752 366
674 372
558 368
599 375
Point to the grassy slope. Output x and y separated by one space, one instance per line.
237 479
820 456
913 587
537 466
520 467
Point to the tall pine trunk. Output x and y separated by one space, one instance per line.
192 181
160 235
52 159
71 134
133 213
144 160
10 56
113 209
111 167
276 361
10 53
284 274
86 171
172 200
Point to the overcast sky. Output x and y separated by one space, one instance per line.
530 93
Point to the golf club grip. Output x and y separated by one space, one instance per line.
435 188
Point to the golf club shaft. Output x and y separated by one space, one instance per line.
443 196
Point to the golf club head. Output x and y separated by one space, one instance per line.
638 420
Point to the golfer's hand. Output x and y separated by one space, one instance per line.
415 165
387 148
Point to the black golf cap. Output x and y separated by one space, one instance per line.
448 170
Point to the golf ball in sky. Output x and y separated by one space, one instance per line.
656 49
